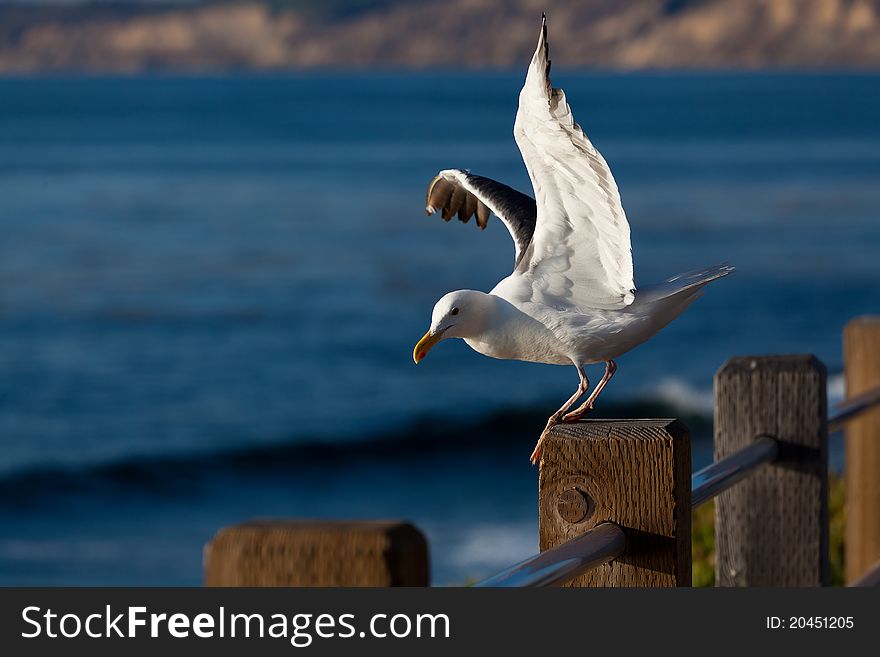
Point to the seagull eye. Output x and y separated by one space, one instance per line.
454 311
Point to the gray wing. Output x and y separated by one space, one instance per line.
456 191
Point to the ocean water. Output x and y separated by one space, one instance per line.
211 288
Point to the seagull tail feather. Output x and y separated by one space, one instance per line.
690 282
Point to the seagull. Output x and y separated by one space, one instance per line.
571 299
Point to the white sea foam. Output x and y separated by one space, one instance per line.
684 396
491 547
836 389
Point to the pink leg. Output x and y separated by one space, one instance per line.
610 369
555 419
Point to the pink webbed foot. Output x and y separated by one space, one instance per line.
574 416
557 417
536 453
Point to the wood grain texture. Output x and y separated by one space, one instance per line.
861 350
635 473
772 528
317 553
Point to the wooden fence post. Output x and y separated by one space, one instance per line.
772 528
861 351
635 473
317 553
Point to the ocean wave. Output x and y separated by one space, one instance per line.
500 430
492 546
836 389
682 396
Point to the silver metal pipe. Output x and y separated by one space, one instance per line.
563 563
870 578
852 407
718 477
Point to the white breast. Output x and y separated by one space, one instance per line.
511 334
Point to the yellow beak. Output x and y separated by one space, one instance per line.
424 345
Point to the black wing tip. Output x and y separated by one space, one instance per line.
544 49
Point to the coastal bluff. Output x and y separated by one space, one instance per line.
449 34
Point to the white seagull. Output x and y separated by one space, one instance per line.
571 299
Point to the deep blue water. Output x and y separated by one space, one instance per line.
202 275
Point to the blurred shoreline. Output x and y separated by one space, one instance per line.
249 35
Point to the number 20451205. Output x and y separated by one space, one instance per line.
810 623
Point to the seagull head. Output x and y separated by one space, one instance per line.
459 314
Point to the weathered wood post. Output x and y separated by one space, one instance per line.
317 553
635 473
772 528
861 351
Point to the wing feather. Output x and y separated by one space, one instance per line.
467 210
439 193
580 255
456 191
482 213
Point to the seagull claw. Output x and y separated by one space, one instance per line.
574 416
536 453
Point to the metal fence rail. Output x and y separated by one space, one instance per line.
853 407
718 477
561 564
607 541
870 578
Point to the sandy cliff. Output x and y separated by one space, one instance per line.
812 34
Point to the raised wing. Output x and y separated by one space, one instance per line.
580 254
456 191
